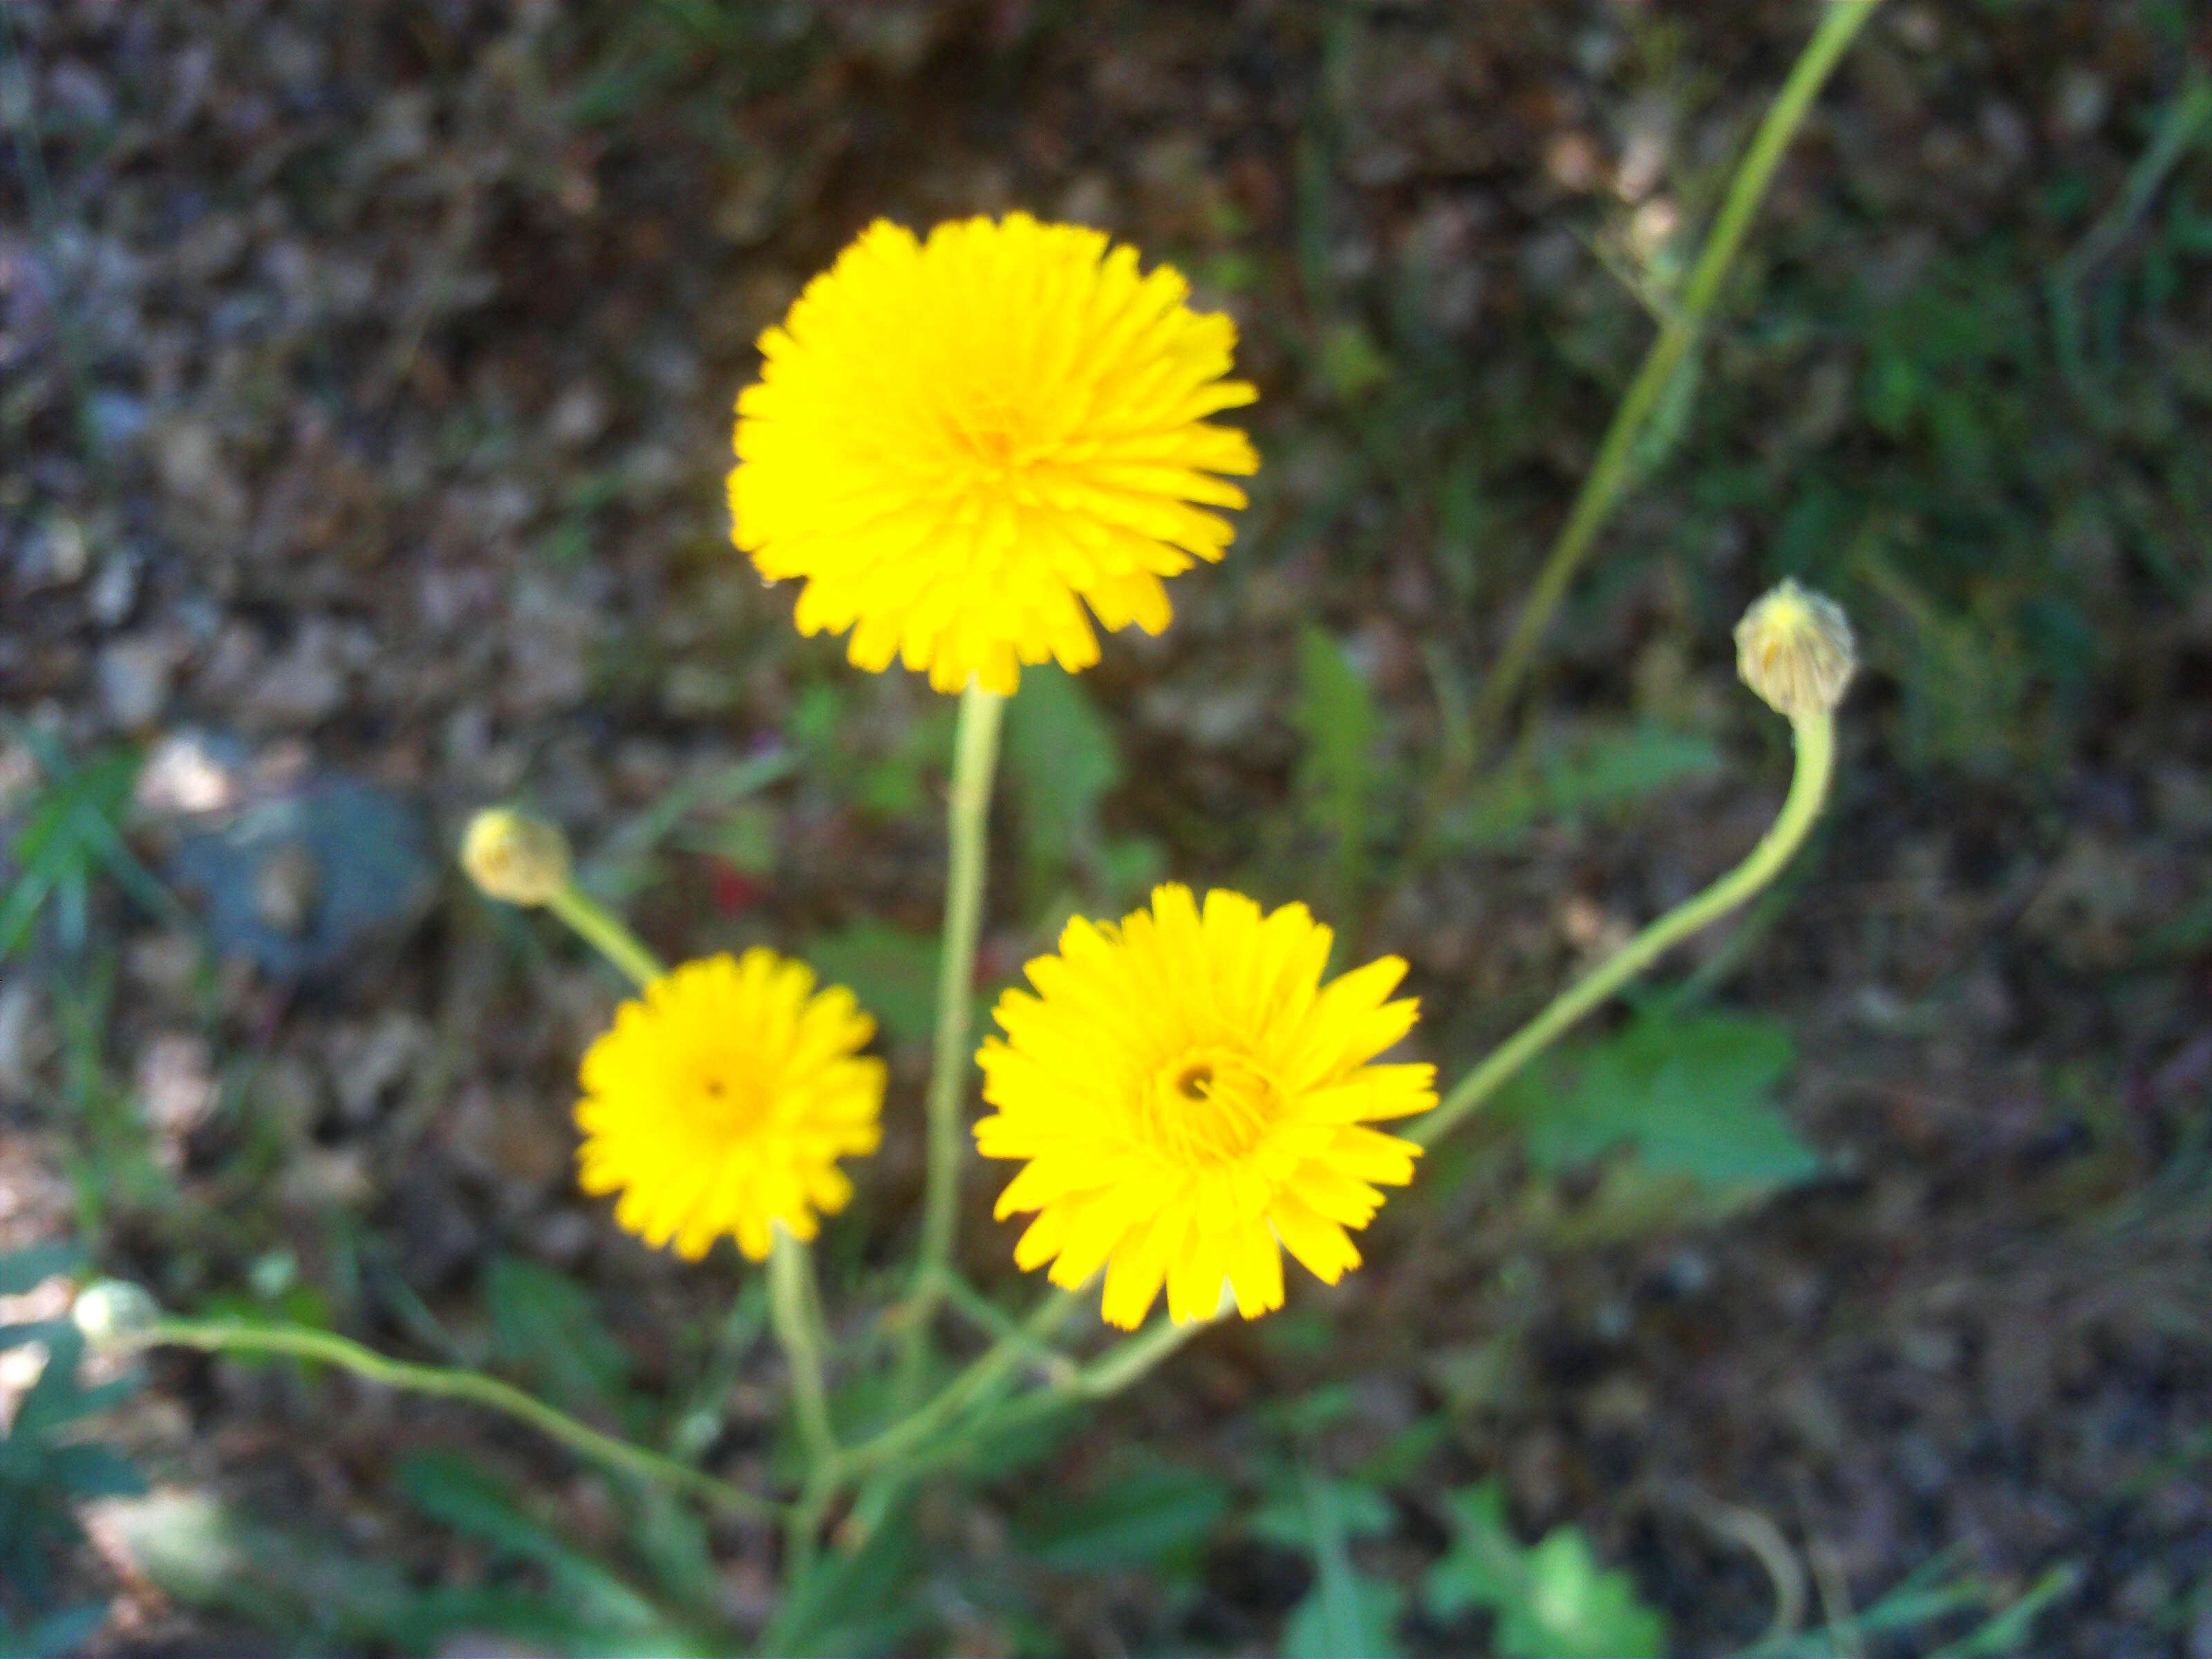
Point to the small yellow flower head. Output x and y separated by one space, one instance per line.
1794 647
1192 1102
512 856
959 443
721 1101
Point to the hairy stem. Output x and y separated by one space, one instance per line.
1609 474
796 1315
1816 753
601 929
1115 1370
982 1374
974 760
300 1342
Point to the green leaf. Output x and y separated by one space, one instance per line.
1892 392
2011 1629
27 1268
1347 1614
1574 1609
1156 1511
1553 1601
1064 761
1337 714
454 1492
1604 768
1482 1568
65 1631
1355 1617
1351 363
670 1538
893 785
855 1601
892 972
1690 1095
92 1470
548 1328
1357 1509
316 1598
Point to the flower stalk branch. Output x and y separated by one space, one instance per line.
300 1342
601 929
1815 737
794 1307
976 1382
1612 473
968 815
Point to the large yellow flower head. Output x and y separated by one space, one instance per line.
1190 1096
722 1100
959 443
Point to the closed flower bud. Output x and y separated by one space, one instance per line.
113 1314
1794 647
512 856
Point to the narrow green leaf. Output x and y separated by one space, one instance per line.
1064 761
456 1492
549 1328
892 972
1154 1512
1337 714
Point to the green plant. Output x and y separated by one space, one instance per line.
1337 781
880 1404
48 1465
1551 1602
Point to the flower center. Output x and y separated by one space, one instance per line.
1209 1105
723 1101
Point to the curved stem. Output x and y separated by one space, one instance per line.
1816 751
1123 1364
300 1342
982 1374
968 813
1609 474
601 929
1112 1371
796 1313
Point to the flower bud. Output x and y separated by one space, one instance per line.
512 856
1794 647
113 1314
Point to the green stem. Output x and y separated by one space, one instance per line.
982 1374
1109 1375
1609 474
213 1336
1809 785
603 931
917 1445
975 759
797 1316
1124 1363
979 1309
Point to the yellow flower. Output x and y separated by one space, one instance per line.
721 1099
959 443
1190 1095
